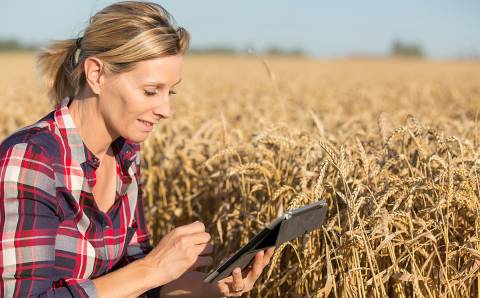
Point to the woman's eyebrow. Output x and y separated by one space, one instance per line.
162 84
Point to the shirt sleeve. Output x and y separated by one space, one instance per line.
29 217
139 245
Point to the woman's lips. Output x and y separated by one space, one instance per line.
146 125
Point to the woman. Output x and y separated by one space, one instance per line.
71 208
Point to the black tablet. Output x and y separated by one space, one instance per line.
284 228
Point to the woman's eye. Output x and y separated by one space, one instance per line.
150 93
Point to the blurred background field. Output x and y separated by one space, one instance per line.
391 144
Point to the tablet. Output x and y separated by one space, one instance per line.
284 228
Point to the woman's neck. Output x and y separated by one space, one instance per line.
91 125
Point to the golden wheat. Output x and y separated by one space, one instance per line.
391 145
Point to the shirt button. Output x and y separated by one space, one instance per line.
105 224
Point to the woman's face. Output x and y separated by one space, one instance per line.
132 101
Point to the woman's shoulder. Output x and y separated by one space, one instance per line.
27 158
38 136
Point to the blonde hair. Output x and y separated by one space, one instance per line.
120 35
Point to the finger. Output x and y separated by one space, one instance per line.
195 227
198 238
223 287
226 280
257 267
207 250
237 279
268 255
269 252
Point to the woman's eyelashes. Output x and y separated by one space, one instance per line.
154 92
150 93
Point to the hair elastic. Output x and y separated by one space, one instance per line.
78 44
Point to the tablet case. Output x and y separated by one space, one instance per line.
284 228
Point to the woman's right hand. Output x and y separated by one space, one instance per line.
182 249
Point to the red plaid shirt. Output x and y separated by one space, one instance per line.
54 238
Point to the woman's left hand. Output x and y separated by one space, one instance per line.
191 283
240 282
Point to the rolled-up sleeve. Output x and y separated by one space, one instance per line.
29 217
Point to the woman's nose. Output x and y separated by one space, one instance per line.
162 108
163 112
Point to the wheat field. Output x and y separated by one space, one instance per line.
390 144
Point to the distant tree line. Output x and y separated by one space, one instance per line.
398 49
403 49
212 50
12 45
229 50
287 52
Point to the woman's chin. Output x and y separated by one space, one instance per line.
137 137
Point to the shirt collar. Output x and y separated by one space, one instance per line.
123 149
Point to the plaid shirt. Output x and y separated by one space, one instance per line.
54 238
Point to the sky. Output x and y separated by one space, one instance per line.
444 29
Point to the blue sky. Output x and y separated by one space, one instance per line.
322 28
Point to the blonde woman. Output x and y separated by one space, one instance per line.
71 206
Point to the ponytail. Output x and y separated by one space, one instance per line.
59 66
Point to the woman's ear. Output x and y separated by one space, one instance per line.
94 74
